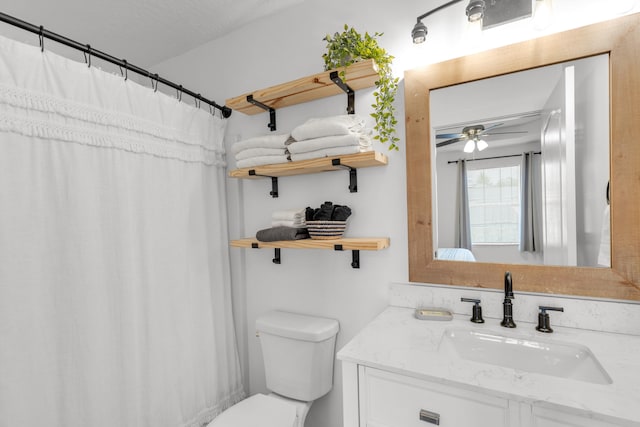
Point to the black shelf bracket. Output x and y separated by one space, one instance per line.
353 175
276 256
355 256
351 95
272 111
274 182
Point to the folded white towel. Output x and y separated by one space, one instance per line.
261 160
328 126
308 145
284 223
257 152
264 141
329 152
289 214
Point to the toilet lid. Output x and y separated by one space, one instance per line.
258 410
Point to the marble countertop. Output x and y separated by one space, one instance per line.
396 341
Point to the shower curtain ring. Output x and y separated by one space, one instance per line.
126 70
179 93
87 59
157 77
151 77
41 38
198 100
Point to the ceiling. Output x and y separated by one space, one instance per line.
145 32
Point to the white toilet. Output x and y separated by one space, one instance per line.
298 352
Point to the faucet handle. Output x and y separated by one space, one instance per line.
476 317
544 324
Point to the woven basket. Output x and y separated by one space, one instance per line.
326 230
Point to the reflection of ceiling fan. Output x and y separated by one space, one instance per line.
473 135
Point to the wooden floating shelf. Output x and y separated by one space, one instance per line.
324 164
360 75
347 244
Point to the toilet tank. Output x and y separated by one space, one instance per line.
298 352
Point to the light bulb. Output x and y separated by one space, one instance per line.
419 32
542 15
470 146
482 144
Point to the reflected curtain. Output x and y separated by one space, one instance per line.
463 229
115 306
530 204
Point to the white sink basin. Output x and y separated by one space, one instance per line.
532 355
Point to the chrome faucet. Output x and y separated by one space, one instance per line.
507 305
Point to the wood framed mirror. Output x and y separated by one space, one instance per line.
619 39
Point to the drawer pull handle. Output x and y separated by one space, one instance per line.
430 417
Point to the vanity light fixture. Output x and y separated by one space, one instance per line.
475 12
419 32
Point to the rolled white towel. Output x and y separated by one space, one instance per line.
329 152
315 144
264 141
261 160
328 126
257 152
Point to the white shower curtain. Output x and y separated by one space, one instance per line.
115 306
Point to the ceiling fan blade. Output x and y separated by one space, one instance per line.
492 127
450 141
503 133
449 135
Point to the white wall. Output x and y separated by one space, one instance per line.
288 46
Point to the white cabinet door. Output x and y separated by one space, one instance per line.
544 417
391 400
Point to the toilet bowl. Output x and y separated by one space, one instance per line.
298 352
264 411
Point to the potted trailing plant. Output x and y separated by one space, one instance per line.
348 47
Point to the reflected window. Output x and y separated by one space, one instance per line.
494 205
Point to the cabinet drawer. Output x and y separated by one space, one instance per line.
391 400
545 417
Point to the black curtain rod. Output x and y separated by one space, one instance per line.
491 158
87 49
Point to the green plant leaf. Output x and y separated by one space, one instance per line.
348 47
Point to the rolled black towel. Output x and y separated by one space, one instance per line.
308 213
341 213
275 234
324 213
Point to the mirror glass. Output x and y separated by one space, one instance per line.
520 167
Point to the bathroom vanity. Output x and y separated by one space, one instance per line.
401 371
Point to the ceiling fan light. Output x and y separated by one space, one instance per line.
475 10
482 144
470 146
419 32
